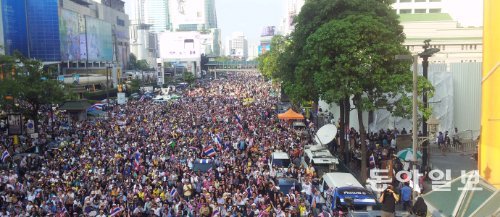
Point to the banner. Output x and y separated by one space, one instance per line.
15 126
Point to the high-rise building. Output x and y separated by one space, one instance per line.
83 36
238 46
143 39
192 15
292 9
156 14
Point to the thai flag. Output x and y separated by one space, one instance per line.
115 211
98 106
142 98
209 151
137 160
5 155
238 121
173 192
215 213
372 161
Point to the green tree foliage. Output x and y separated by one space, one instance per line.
134 86
268 62
135 64
346 48
188 77
30 86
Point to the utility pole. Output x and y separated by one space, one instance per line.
107 82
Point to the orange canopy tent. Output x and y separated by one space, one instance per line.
290 115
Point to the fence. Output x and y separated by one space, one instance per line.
464 141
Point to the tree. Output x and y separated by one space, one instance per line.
135 64
188 78
343 49
132 62
354 56
142 65
268 61
29 85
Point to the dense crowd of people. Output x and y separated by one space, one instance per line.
138 161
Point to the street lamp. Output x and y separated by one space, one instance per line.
428 52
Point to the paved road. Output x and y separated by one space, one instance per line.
455 162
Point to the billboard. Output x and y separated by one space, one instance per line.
99 40
180 45
268 31
72 37
263 48
187 11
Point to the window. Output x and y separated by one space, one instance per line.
444 47
404 1
435 10
120 22
420 11
405 11
475 47
434 0
420 0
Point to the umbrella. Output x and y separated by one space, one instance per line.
407 154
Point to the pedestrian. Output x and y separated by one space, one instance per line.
420 207
388 199
406 196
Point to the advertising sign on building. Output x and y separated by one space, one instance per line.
180 45
187 11
15 124
268 31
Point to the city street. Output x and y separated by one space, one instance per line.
455 162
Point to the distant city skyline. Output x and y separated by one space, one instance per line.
249 17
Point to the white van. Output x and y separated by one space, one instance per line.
281 161
320 158
344 191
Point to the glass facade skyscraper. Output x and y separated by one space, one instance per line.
14 26
210 14
32 28
43 29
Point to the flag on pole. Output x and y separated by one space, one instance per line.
209 151
5 155
137 160
173 192
142 98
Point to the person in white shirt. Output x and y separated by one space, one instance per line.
307 188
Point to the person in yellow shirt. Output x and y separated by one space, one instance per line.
140 195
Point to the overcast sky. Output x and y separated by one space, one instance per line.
248 16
